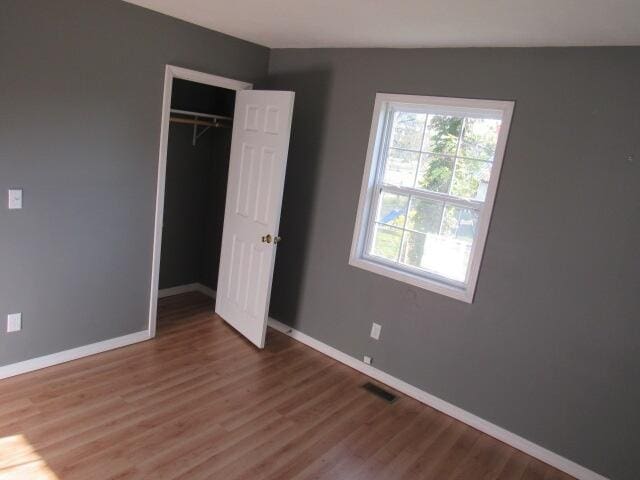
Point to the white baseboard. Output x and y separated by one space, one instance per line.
189 287
30 365
209 292
73 354
468 418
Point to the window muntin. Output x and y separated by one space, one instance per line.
432 167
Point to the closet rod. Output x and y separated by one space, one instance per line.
198 114
195 122
216 121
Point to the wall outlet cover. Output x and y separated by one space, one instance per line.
375 331
15 199
14 322
367 359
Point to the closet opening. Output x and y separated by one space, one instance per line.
195 187
196 140
221 172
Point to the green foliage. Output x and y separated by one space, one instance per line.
443 137
407 130
387 242
437 174
479 138
443 169
443 133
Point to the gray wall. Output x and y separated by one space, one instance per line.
185 206
80 105
550 348
196 185
216 195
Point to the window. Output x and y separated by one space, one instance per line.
430 179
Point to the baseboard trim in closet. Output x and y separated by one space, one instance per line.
189 287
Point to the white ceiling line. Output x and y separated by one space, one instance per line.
413 23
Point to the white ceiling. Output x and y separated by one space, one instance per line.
413 23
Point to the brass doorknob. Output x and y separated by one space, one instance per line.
277 239
266 238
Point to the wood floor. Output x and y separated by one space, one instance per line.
199 402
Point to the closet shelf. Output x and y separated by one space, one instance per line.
211 121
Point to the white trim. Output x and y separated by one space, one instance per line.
408 277
383 103
72 354
209 292
170 73
207 78
32 364
516 441
189 287
177 290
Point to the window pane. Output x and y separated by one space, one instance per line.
446 254
435 173
413 249
435 254
446 257
424 215
407 130
392 209
479 138
400 168
386 242
443 132
471 179
459 223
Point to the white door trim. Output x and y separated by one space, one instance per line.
170 73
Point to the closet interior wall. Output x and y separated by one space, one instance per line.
195 190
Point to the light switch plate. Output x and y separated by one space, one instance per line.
14 322
15 198
375 331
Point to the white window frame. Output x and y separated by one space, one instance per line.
368 193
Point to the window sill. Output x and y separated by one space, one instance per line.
462 294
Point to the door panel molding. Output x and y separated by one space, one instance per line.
259 149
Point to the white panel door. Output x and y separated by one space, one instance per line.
259 147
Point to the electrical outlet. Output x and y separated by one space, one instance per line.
367 359
375 331
14 322
15 199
